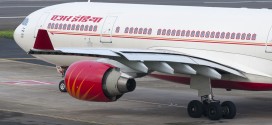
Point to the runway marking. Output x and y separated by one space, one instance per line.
21 6
27 82
233 2
53 116
13 17
154 103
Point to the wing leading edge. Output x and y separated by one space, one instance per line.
143 61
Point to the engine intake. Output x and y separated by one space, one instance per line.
96 81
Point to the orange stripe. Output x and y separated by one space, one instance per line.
85 95
73 87
68 84
79 88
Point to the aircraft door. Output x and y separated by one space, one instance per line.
41 23
106 32
268 45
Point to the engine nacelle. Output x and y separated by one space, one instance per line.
96 81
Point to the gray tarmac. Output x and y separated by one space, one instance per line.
29 92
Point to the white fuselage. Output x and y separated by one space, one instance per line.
238 37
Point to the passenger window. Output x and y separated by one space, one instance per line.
202 34
178 33
52 26
95 28
243 36
173 33
238 35
91 28
64 26
183 33
168 32
197 34
49 26
77 27
232 36
227 35
69 27
163 31
73 27
187 33
131 30
212 34
159 32
207 34
145 31
86 28
253 37
126 30
248 36
222 36
217 34
192 33
136 31
56 26
81 27
149 31
60 26
140 31
117 29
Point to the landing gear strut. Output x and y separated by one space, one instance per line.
62 86
208 106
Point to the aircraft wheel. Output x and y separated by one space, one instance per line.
228 109
62 86
195 109
214 111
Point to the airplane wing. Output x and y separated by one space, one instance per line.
143 61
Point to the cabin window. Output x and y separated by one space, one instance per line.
178 33
131 30
232 36
64 26
187 33
86 28
77 27
212 34
136 31
238 35
248 36
91 28
168 32
253 37
207 34
183 33
126 30
69 27
56 26
159 32
197 34
243 36
117 29
227 35
202 34
95 28
52 26
217 34
140 31
173 33
163 31
60 26
73 27
149 31
222 36
145 31
81 27
193 33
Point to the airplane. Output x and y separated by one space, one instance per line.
100 48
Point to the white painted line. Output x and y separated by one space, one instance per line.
21 6
13 17
154 103
233 2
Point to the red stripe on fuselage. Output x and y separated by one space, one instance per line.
252 86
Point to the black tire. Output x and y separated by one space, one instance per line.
195 109
214 111
228 109
62 86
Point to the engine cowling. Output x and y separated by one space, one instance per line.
96 81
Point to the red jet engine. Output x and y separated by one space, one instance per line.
96 81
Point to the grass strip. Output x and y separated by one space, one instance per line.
8 34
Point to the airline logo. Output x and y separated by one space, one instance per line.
76 18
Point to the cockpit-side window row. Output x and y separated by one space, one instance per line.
207 34
76 27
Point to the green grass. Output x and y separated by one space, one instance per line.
6 34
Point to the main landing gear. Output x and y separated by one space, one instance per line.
62 86
208 107
211 109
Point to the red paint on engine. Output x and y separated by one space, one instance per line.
252 86
84 80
